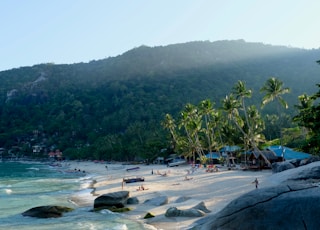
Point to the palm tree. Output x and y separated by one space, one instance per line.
207 111
169 123
273 89
231 105
191 122
240 91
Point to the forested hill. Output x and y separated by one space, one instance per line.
71 106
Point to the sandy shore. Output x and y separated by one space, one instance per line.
215 189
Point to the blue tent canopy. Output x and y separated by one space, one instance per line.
288 153
213 155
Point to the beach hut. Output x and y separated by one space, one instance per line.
257 161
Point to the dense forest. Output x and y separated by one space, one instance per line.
113 108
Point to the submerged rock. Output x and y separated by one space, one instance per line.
47 211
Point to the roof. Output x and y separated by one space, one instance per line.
270 155
232 148
288 152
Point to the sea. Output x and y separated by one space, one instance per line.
24 185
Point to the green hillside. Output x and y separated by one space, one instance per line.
112 108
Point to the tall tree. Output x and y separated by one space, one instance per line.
273 89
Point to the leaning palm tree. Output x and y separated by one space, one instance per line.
273 89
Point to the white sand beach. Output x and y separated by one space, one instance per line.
215 189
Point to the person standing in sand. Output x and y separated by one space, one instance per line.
256 182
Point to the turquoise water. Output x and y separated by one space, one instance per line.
27 185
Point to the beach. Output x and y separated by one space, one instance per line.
215 189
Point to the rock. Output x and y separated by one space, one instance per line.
133 200
157 201
309 160
114 209
174 212
280 207
182 199
281 166
47 211
115 199
201 206
148 216
295 162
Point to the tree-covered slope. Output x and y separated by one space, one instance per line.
76 105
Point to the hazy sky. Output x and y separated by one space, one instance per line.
71 31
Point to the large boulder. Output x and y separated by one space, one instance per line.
293 206
303 174
115 199
47 211
290 202
281 166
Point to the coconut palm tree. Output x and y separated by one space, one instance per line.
169 123
207 111
191 122
273 89
231 105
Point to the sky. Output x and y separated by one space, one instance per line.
72 31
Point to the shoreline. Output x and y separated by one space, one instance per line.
215 189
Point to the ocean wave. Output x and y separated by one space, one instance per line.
32 168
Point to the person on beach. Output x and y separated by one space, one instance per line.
256 182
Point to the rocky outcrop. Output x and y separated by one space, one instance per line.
282 166
280 207
47 211
291 203
115 199
294 163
